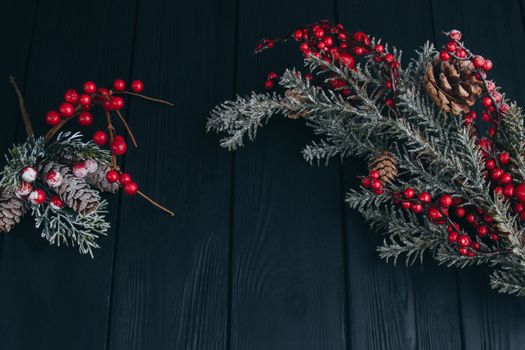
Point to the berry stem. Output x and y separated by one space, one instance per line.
111 131
131 136
144 97
155 203
23 110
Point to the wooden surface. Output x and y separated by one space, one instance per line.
263 253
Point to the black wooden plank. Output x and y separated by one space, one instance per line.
392 307
288 280
170 287
53 298
490 320
17 18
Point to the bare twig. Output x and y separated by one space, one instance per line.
130 133
144 97
23 110
156 203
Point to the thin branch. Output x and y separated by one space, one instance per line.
111 131
23 110
156 203
128 129
144 97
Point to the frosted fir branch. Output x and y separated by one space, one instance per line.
508 282
66 227
511 136
70 147
243 117
19 156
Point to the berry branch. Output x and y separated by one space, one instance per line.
23 110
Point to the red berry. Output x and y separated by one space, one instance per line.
424 197
66 109
389 57
318 32
505 178
452 236
482 230
433 213
490 164
376 184
56 203
379 48
460 212
52 118
470 218
85 99
103 92
455 34
409 193
107 105
496 173
445 56
494 237
463 251
137 86
417 208
117 102
464 240
365 182
487 65
478 61
519 192
508 191
486 101
518 207
298 34
131 188
112 176
119 85
446 200
451 46
272 76
89 87
71 96
461 53
504 157
118 147
100 137
405 205
360 36
125 178
374 174
347 60
268 84
37 197
85 119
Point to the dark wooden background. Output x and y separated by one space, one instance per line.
263 253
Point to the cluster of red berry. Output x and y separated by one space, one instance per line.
333 43
80 105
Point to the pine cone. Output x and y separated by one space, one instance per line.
452 85
12 209
74 191
99 181
386 164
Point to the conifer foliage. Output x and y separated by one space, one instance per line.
446 148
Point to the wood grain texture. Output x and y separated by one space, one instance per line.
394 307
288 281
170 287
490 320
54 298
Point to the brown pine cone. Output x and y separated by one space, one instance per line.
452 85
386 164
99 181
12 209
74 191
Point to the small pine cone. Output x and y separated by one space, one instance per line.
99 181
74 191
386 164
452 85
12 209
